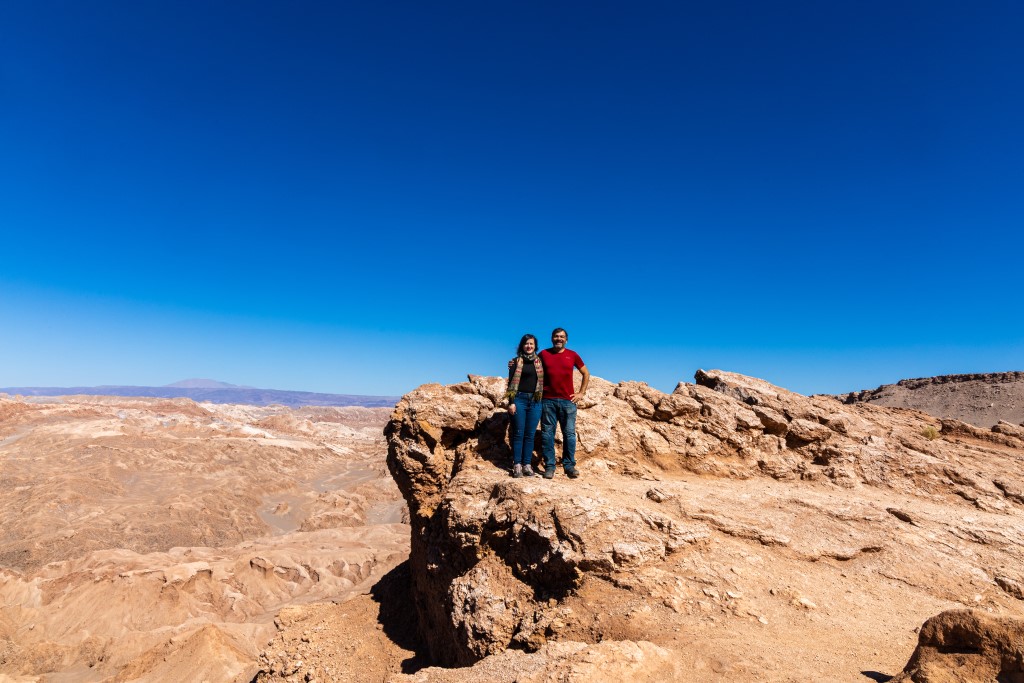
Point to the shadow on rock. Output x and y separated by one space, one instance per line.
877 676
494 438
398 616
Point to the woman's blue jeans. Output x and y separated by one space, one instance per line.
524 427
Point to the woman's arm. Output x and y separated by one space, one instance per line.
511 372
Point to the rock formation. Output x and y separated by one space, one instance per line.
982 399
793 522
727 531
967 646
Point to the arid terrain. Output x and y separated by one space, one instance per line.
727 531
982 399
155 540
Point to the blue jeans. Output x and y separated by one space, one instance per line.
524 426
559 411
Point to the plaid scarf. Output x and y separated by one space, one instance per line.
513 384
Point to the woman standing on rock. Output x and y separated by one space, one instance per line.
524 394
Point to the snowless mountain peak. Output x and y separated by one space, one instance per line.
200 383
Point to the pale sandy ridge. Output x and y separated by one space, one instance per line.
155 540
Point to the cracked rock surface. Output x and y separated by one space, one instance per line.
752 533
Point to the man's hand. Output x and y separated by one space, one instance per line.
511 408
583 385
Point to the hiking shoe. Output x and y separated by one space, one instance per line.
573 473
549 474
517 471
531 472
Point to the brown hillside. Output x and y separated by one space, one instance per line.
979 399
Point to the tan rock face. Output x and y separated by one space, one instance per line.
729 499
967 646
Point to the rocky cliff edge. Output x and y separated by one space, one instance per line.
723 522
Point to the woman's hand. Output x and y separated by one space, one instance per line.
511 408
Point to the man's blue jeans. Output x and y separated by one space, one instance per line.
524 427
559 411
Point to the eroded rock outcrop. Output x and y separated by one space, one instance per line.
967 646
498 563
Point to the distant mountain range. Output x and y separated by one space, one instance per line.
215 392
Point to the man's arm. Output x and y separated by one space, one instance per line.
583 385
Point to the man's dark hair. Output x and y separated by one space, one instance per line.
559 329
522 342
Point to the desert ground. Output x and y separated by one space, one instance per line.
156 540
727 531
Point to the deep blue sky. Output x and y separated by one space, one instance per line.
362 197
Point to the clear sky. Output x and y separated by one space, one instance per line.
363 197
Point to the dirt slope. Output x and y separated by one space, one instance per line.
978 399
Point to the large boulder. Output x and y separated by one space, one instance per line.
967 646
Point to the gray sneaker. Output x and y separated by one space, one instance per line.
572 473
517 471
531 472
549 474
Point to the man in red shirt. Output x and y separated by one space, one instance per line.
559 402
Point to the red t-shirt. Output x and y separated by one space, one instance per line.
558 373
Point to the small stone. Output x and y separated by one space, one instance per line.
674 604
900 515
762 620
657 495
